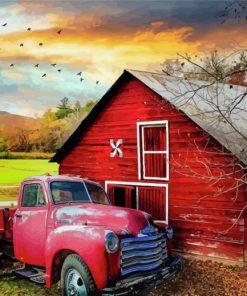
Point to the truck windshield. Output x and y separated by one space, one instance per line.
97 193
66 191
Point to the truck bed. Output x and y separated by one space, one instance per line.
6 224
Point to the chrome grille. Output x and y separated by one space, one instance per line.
143 253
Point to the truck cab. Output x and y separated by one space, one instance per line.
67 228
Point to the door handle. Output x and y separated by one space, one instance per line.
18 215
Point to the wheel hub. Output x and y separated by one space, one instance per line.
75 285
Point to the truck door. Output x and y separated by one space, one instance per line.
30 225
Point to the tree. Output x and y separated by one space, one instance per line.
234 9
79 113
64 108
205 87
88 107
3 140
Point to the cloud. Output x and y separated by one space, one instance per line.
225 40
99 39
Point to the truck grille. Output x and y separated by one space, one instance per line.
145 252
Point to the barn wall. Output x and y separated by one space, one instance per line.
201 208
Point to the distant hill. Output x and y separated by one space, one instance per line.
10 122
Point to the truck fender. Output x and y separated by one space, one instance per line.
87 242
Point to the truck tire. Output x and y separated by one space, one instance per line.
76 278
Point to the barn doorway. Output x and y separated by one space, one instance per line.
151 198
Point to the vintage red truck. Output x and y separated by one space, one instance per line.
64 229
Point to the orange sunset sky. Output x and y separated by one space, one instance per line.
100 39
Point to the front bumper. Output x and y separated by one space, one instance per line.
133 286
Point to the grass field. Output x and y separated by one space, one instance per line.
13 171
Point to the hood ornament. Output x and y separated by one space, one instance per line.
125 231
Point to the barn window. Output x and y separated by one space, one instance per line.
150 198
153 152
122 196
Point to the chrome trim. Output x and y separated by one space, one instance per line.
143 246
140 238
142 261
143 252
142 268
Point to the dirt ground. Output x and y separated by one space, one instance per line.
205 278
197 278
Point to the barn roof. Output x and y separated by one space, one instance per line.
199 100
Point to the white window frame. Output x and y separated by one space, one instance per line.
140 144
138 184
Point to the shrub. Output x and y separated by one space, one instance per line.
25 155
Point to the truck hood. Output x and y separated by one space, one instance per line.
115 218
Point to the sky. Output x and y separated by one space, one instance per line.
100 39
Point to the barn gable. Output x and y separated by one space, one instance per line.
190 98
74 138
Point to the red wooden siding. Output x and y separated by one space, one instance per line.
200 209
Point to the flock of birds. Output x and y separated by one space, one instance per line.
53 64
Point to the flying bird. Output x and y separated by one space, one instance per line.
36 65
97 82
81 79
79 74
59 70
29 29
182 64
4 25
40 44
44 75
53 65
59 32
11 65
21 44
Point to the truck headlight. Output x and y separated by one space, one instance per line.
111 242
169 232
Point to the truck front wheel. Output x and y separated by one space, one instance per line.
76 279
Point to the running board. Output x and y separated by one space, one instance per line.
36 275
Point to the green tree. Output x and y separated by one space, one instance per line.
88 107
3 140
64 108
3 144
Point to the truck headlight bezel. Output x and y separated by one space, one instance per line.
111 242
169 232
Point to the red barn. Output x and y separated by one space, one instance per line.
156 144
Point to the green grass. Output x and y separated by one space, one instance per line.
18 287
13 171
11 285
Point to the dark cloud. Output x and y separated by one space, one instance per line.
128 17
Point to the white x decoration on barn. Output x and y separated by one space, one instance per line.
116 148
